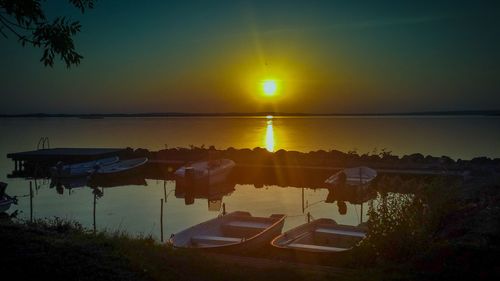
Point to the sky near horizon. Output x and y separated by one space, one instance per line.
212 56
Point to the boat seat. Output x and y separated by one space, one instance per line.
341 232
315 248
213 240
248 224
242 228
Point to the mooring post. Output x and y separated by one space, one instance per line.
94 212
308 217
361 218
303 209
161 220
165 190
31 201
223 208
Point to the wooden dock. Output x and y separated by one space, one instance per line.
34 162
42 157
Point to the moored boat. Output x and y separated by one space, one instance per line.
320 236
121 167
80 169
5 200
356 176
206 172
5 203
235 232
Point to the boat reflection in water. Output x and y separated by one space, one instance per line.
213 193
97 182
260 190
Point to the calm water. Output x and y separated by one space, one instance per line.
136 208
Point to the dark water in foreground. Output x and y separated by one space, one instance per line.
135 208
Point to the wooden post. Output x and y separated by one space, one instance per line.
361 219
161 220
94 212
303 209
308 217
223 208
31 202
165 190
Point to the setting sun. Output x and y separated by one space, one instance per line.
270 87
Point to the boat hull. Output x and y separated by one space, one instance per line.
5 204
203 174
252 244
79 170
352 180
125 168
302 244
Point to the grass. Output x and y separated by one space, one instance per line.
62 250
448 246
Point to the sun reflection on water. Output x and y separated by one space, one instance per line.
270 134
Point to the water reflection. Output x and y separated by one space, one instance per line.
130 207
213 193
269 141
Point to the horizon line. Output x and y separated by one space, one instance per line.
494 112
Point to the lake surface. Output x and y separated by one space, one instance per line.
135 208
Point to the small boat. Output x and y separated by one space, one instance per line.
5 203
121 167
320 236
235 232
357 176
205 172
5 200
80 169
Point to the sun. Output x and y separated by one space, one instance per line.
270 87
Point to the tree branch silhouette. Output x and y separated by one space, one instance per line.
26 20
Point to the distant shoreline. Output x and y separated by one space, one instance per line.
255 114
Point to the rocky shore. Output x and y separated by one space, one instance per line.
322 158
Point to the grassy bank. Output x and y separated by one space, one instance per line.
436 229
62 250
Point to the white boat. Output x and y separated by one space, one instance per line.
5 200
121 167
5 203
206 172
320 236
356 176
80 169
234 232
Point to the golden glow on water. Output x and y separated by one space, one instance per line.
270 142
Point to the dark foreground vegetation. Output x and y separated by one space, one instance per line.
60 250
445 228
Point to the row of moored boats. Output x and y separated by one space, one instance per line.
102 167
240 231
